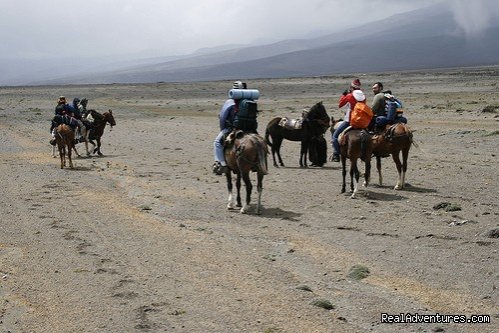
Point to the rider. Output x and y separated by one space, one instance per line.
226 117
61 109
347 100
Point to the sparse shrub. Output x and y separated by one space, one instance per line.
323 303
490 109
358 272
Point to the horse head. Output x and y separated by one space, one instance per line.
109 118
319 114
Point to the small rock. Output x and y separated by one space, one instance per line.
494 233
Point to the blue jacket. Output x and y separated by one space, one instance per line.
226 115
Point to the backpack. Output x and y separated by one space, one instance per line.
361 115
393 107
245 116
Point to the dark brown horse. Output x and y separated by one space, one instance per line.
245 152
97 129
315 123
393 140
355 144
64 138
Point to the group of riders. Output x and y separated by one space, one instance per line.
385 109
76 116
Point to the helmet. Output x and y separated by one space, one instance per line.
238 85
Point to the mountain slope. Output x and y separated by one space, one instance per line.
425 38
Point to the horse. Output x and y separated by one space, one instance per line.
355 144
245 152
315 123
64 138
394 139
71 122
97 129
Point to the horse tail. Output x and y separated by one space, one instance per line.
262 157
365 138
261 151
267 137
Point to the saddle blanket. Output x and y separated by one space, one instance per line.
291 123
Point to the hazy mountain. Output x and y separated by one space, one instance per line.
425 38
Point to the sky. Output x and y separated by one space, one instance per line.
37 29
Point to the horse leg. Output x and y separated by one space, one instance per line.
367 174
378 167
76 151
61 154
354 178
303 154
259 188
98 147
69 155
344 172
238 187
396 159
276 148
405 155
249 187
230 201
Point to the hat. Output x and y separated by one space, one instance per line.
238 85
359 95
355 84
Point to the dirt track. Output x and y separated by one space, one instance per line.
140 241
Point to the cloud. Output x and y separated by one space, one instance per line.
474 16
148 28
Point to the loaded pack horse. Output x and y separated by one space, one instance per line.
245 152
393 140
315 123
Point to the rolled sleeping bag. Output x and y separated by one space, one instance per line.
244 93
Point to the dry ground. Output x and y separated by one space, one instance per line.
140 240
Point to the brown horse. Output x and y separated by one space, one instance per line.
64 138
355 144
97 129
314 124
393 140
245 152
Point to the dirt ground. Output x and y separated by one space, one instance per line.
140 240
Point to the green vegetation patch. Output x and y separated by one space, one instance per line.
358 272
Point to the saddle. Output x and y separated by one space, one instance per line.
291 124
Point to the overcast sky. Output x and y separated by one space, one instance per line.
49 28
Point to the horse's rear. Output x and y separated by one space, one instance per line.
64 138
395 139
246 152
355 144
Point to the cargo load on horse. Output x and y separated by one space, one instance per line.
246 109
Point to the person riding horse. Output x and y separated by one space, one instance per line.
226 119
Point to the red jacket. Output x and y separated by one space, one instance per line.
351 101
